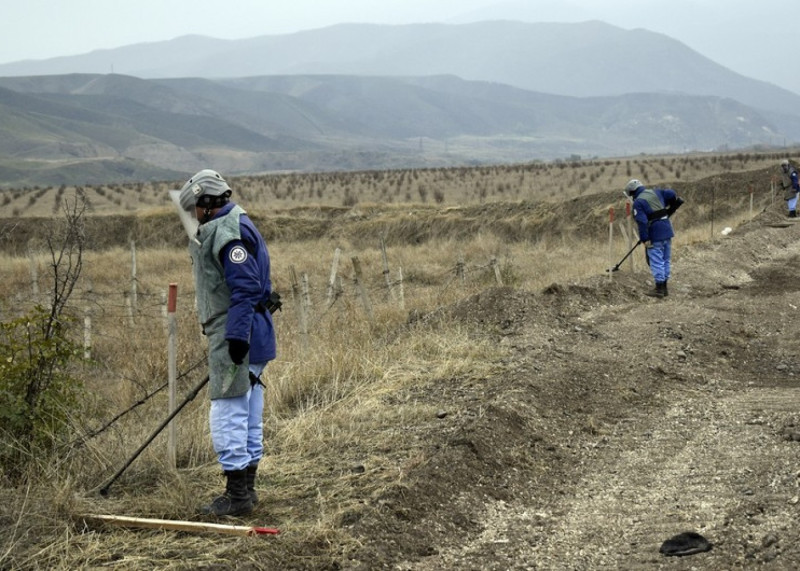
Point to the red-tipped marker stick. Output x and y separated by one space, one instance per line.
177 525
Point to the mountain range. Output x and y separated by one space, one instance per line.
362 96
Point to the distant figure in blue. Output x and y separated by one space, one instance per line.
790 187
651 210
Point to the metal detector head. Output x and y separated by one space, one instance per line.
615 268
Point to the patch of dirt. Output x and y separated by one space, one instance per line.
617 422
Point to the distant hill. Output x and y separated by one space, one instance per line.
323 122
371 97
578 59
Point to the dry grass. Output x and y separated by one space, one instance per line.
345 404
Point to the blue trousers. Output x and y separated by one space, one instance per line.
659 255
791 204
237 426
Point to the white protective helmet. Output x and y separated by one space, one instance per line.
633 185
785 164
206 183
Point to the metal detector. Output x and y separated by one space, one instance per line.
615 268
173 414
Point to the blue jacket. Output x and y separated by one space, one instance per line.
649 211
790 183
246 266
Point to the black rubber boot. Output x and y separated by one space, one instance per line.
666 293
235 500
251 483
660 290
792 214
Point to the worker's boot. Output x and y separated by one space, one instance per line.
660 290
235 500
251 483
792 214
666 293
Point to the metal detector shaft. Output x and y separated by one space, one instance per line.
187 400
615 268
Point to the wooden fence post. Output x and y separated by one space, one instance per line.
129 309
339 290
87 333
172 303
332 279
498 278
772 189
165 310
386 275
302 322
400 292
134 293
306 295
460 270
360 285
34 266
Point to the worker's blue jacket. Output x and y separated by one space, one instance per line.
232 273
790 184
650 213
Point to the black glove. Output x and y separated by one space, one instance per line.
238 349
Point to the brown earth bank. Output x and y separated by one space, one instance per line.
620 421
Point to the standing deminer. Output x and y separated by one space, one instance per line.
790 187
651 210
231 270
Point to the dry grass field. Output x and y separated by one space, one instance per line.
350 412
553 181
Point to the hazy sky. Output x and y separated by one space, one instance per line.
757 39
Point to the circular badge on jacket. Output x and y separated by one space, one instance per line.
237 255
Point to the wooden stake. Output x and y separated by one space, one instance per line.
87 333
178 525
386 268
34 273
172 370
332 280
360 286
498 278
134 293
399 289
302 316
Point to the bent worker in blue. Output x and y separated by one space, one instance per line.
652 209
790 186
234 294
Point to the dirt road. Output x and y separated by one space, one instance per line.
616 422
